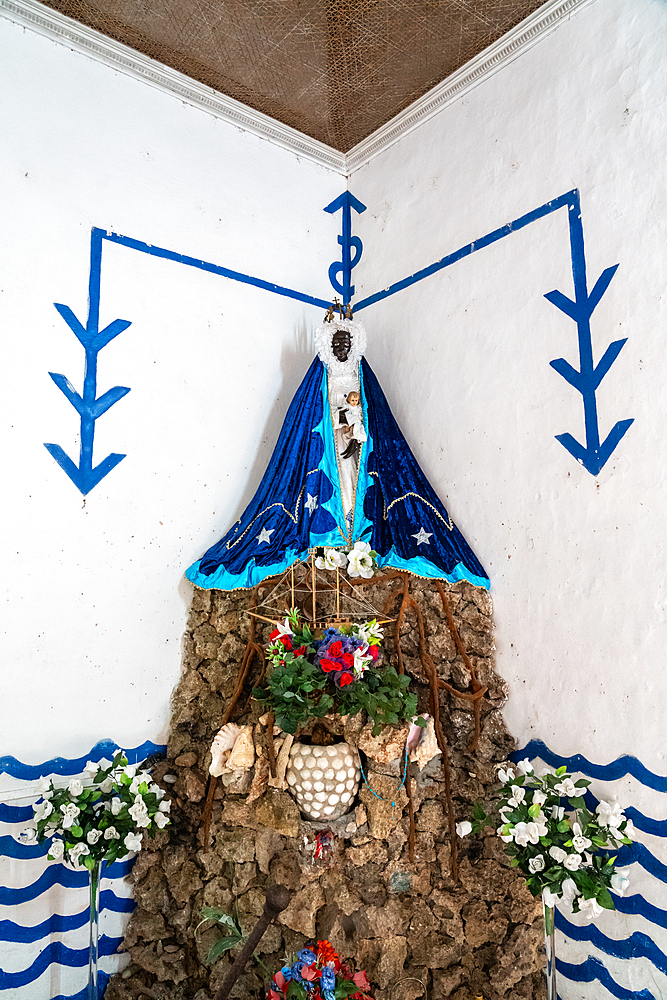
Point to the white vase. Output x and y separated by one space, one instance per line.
323 780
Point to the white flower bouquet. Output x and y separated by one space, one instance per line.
561 849
99 820
356 561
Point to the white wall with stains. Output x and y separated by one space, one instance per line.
93 597
576 561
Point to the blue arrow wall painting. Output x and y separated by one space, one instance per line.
586 380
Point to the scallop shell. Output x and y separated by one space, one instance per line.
224 742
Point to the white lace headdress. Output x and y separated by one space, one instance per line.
323 337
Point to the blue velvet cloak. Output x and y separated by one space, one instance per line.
298 506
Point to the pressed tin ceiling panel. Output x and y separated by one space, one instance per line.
334 69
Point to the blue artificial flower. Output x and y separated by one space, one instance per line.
287 972
329 994
306 956
328 979
296 970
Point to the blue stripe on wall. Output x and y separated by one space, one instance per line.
57 874
15 814
638 945
102 982
604 772
56 952
592 970
57 924
61 765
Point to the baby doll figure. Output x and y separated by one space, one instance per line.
351 421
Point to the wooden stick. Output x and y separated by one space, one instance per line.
277 900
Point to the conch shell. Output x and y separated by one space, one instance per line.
221 747
242 756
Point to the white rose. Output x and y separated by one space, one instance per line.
91 769
56 850
519 793
111 833
42 810
534 831
44 787
629 830
165 806
536 864
160 820
539 797
580 843
590 908
524 767
93 836
567 788
116 805
70 809
505 775
521 835
156 790
133 841
620 881
75 787
558 854
464 828
76 853
609 814
572 862
131 769
550 898
320 563
506 839
107 785
557 813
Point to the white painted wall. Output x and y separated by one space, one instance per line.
576 562
93 600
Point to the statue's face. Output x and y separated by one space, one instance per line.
341 344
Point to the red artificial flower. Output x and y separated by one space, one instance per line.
374 650
275 996
345 679
360 979
300 651
310 972
328 666
326 952
336 648
280 980
348 659
285 639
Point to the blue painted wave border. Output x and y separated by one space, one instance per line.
66 766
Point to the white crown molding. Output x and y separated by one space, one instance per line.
498 55
89 42
59 28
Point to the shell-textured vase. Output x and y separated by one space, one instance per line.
323 780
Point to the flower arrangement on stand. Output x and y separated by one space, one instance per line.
318 973
339 669
97 820
557 843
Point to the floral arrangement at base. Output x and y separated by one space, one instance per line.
339 669
563 855
359 560
319 974
102 821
